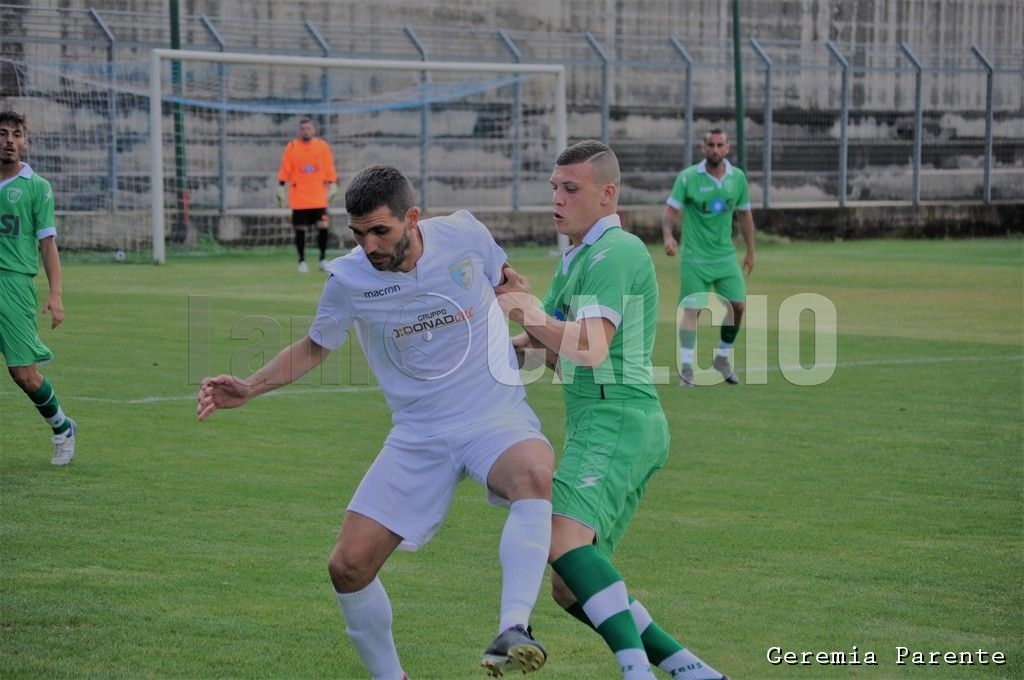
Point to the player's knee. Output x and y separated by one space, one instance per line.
347 573
27 378
534 480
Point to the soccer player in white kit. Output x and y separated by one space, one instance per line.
419 296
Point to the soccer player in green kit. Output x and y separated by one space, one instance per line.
708 194
27 228
596 325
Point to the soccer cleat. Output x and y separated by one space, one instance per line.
64 445
514 650
323 265
721 364
303 267
686 378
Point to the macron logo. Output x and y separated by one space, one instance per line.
588 481
598 257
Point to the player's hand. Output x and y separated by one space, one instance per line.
511 281
671 246
281 196
55 308
332 192
224 391
748 263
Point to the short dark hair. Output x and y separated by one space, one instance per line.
606 163
379 185
715 131
582 152
15 118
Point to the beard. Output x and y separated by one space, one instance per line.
390 262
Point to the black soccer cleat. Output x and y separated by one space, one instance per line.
721 364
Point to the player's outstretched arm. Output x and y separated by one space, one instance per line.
223 391
290 364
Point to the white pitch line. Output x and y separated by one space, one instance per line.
890 362
192 397
296 391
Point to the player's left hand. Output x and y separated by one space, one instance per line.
748 263
332 192
55 308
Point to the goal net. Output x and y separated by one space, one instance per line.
184 148
474 135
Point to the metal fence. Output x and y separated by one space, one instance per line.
825 122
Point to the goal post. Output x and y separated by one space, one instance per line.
482 124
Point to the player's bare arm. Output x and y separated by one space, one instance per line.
54 305
669 220
290 364
585 342
747 225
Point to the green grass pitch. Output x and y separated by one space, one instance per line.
879 509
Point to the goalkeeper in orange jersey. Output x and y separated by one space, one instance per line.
307 170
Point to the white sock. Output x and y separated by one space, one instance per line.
685 665
57 419
523 551
367 615
686 356
634 664
724 350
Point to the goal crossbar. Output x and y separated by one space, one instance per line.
157 56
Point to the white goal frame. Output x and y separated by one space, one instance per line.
157 56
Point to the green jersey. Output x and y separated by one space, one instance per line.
707 205
609 275
26 217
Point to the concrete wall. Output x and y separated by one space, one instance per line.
805 222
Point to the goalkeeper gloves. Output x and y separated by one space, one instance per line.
281 196
332 192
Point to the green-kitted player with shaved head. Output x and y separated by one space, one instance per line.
703 200
599 317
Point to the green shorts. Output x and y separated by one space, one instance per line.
613 448
698 278
19 336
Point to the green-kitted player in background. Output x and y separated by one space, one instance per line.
28 228
708 194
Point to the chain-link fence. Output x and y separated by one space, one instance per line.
826 122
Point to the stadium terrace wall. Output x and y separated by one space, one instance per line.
880 219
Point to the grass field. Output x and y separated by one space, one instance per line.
881 508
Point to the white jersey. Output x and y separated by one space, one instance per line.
434 337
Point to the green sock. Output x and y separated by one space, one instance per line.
665 652
46 402
658 644
588 573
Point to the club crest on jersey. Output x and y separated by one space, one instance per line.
13 194
462 273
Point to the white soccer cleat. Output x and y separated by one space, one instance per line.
64 446
323 265
303 267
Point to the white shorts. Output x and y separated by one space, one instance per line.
410 484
